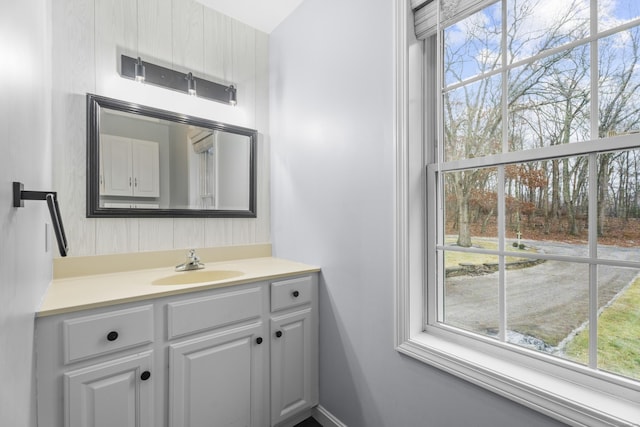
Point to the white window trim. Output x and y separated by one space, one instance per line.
516 377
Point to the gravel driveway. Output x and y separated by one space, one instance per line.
547 301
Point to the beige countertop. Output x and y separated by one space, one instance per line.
79 292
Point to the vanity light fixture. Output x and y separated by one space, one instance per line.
233 97
191 85
139 75
157 75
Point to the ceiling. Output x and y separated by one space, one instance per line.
265 15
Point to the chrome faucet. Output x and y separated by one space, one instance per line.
192 262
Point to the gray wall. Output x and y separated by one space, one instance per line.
332 205
25 155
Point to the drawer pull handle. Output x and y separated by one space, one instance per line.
112 336
278 334
259 340
296 294
145 375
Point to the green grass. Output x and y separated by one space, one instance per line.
454 258
618 336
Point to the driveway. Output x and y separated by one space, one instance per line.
547 301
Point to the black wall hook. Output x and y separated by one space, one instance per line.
19 196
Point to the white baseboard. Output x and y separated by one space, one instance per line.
326 418
298 418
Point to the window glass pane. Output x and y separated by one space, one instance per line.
472 46
619 321
619 205
472 120
534 26
471 208
619 83
546 206
612 13
546 303
549 101
471 292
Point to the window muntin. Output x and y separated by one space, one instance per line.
545 179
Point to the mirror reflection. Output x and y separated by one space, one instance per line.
149 162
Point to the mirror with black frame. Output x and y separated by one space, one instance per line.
147 162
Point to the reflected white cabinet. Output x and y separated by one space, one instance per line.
129 167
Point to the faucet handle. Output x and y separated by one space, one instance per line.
191 255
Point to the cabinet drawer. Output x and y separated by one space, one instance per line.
290 293
201 314
91 336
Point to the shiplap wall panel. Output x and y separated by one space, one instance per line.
154 28
89 35
188 32
218 232
117 235
188 233
215 28
243 66
155 234
263 222
72 76
116 31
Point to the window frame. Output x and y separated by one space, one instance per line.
554 387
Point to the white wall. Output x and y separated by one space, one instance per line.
25 155
332 205
88 36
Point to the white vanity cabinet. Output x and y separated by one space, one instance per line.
241 355
114 393
95 368
129 167
294 347
218 363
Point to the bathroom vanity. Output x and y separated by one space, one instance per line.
234 344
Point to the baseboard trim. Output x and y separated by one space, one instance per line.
296 419
326 418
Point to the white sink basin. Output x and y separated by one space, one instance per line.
199 276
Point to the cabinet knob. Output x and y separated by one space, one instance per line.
295 294
112 336
278 334
259 340
145 375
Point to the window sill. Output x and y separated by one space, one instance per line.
558 398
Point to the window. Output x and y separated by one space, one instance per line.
532 220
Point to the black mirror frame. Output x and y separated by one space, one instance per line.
95 102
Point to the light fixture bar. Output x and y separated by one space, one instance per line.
175 80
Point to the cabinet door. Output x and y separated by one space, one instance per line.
218 380
146 164
115 393
293 364
117 164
